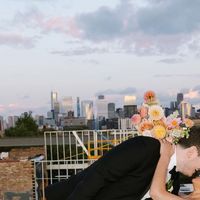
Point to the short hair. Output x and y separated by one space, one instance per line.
193 140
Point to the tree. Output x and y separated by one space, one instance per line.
25 126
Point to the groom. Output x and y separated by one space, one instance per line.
126 171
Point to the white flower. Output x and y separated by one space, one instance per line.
176 133
156 113
147 133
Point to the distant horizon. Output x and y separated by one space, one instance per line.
117 99
84 48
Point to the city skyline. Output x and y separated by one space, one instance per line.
62 104
82 49
98 114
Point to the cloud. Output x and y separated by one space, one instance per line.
84 50
92 61
160 27
16 40
2 108
171 60
35 19
197 87
108 78
165 98
156 28
126 91
26 97
106 23
192 95
170 17
176 75
18 109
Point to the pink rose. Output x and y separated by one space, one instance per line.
143 111
136 119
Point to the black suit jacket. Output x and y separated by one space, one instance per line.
175 177
124 173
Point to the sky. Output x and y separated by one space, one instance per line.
85 48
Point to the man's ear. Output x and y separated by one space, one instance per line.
192 152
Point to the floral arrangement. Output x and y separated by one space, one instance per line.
151 121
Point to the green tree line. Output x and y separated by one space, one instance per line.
25 126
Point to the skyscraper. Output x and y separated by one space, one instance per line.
193 112
56 111
179 98
173 105
185 109
111 111
129 106
120 113
102 107
78 107
12 121
54 99
87 110
67 105
39 120
129 100
130 110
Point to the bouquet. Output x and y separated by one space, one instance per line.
151 121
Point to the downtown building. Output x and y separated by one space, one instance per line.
187 110
66 107
101 112
101 107
12 121
87 109
130 108
111 111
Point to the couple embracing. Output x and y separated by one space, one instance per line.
147 164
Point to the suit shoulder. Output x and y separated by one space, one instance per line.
147 141
152 144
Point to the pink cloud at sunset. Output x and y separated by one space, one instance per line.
16 39
192 94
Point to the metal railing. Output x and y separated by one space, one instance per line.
69 152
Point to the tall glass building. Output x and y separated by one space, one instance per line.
67 105
87 109
54 99
102 107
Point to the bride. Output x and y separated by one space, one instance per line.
158 187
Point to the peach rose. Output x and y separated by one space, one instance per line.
145 125
136 119
149 96
188 122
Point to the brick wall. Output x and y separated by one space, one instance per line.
16 174
16 180
23 153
